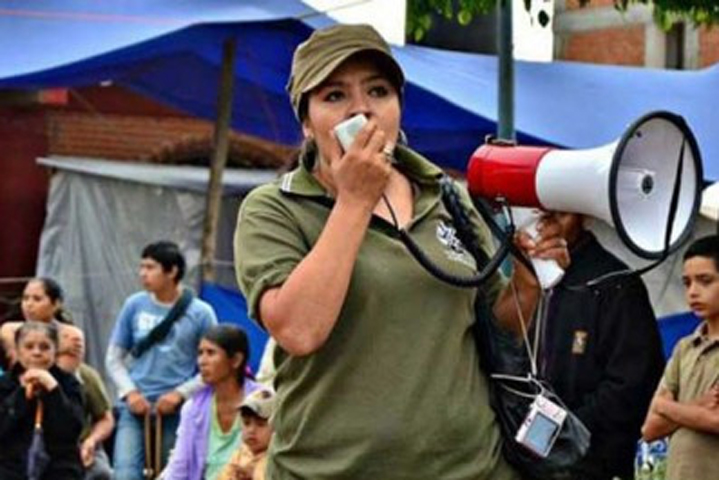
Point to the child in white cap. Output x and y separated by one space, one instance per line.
250 461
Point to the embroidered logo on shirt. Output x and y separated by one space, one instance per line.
455 251
579 345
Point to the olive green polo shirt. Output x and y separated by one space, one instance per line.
97 401
691 371
396 391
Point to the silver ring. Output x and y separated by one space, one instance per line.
387 151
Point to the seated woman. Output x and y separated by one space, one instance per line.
41 302
35 380
210 425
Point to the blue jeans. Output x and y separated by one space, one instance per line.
129 454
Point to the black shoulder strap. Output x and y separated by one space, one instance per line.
163 328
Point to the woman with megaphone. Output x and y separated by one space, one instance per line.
377 372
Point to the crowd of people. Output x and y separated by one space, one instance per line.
166 351
374 363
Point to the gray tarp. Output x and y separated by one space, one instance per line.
100 214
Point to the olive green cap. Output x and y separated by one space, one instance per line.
316 58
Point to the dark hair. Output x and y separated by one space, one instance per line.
308 153
704 247
52 288
232 339
56 294
48 328
168 255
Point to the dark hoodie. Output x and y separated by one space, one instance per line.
603 356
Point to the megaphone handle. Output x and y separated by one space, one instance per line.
549 273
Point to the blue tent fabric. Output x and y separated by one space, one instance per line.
569 104
231 307
171 50
674 327
39 35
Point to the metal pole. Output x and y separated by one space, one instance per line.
505 55
219 160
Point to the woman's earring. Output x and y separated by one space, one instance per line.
402 137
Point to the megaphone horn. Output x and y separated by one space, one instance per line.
634 184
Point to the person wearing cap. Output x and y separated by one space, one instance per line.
368 343
250 461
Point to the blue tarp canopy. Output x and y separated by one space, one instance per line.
231 307
674 327
171 50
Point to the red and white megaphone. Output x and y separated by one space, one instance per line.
631 184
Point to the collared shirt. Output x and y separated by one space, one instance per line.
692 370
97 401
395 391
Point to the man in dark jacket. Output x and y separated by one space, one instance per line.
602 353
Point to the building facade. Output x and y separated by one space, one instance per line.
599 33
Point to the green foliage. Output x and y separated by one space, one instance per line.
666 12
419 13
701 12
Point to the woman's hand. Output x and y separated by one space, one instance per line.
87 451
301 313
361 173
548 245
36 380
